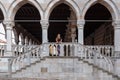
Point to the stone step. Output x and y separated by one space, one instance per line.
48 68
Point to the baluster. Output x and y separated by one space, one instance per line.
61 50
102 48
76 50
40 48
108 51
72 50
112 52
105 51
82 52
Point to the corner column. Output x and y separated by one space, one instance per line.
80 26
116 25
8 56
9 25
45 25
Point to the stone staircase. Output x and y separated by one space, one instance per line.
87 63
62 68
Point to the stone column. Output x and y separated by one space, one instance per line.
44 24
116 25
9 25
80 26
8 55
73 33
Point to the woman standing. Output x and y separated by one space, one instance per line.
58 41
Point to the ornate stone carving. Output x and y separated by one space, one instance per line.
80 24
116 24
44 24
9 24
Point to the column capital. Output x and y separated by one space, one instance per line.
80 23
116 24
8 24
44 24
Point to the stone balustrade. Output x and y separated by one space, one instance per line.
107 51
97 55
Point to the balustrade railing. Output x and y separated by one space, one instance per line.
25 55
98 55
62 49
107 51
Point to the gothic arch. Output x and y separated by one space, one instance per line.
18 3
54 3
3 10
107 3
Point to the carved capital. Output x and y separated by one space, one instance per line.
9 24
44 23
80 24
116 24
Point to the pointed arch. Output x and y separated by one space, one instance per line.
19 3
55 3
3 10
107 3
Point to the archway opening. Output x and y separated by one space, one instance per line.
98 28
27 22
1 16
2 29
62 21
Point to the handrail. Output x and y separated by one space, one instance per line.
20 60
